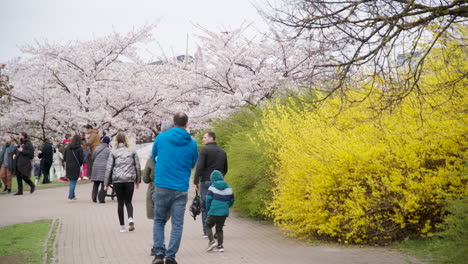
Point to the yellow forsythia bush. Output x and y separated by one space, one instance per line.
346 174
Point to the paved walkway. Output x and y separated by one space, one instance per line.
89 233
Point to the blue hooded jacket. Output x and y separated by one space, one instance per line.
177 154
220 195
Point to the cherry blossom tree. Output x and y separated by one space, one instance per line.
103 82
63 87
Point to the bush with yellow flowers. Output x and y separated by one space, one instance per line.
346 174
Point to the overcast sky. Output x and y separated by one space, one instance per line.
23 21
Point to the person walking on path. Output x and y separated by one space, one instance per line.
46 155
86 150
177 155
101 155
148 177
6 163
218 200
57 165
23 157
123 169
73 157
211 158
93 142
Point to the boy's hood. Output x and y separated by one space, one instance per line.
217 180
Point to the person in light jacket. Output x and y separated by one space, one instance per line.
57 166
123 169
101 155
7 167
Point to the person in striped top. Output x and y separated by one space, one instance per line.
218 200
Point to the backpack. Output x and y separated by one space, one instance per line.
195 208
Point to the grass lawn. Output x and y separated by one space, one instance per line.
437 250
24 243
450 244
40 186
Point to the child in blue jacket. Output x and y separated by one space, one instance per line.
218 200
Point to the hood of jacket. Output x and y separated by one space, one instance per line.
179 136
217 180
73 147
24 141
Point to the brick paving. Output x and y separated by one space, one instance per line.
89 233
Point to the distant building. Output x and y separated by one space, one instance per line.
408 58
180 58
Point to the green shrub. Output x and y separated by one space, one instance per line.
248 172
450 245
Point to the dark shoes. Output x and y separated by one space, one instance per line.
33 188
158 259
220 248
18 193
168 261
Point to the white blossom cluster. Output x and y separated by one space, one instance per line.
59 88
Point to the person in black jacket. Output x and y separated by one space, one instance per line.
23 157
211 158
46 156
73 157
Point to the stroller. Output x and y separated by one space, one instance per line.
103 194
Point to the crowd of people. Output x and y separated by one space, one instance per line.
167 172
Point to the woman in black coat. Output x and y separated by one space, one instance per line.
73 157
23 157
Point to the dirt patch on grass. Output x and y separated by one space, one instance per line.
19 259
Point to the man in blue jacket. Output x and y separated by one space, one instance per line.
176 154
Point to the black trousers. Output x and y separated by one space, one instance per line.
94 193
20 178
124 192
213 220
46 164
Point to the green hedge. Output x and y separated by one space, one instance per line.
248 172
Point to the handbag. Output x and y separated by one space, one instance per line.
195 208
81 167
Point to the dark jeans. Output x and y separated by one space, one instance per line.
124 192
213 220
94 193
46 170
20 178
203 191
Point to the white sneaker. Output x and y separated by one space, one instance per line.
122 229
211 245
79 179
86 178
131 224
